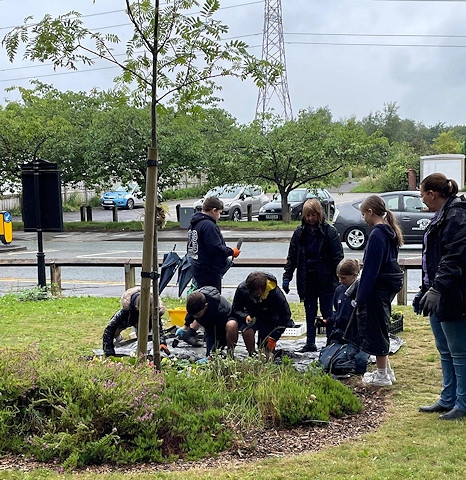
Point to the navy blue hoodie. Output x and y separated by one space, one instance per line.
381 251
206 246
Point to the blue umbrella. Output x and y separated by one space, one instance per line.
171 261
185 273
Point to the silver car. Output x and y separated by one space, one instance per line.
237 200
407 206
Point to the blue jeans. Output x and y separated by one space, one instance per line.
310 307
450 340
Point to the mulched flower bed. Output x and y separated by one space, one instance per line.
258 444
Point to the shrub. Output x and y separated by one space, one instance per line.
91 411
73 202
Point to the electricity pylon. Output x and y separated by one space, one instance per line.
274 95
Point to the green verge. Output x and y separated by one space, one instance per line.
138 226
408 445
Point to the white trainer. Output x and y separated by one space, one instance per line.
391 374
377 379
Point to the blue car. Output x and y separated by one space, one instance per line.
123 196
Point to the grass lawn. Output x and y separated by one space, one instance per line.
407 445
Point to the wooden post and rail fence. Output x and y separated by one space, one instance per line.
129 266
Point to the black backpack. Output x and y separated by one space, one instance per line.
341 359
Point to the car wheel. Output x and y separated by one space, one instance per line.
130 204
297 216
236 215
356 238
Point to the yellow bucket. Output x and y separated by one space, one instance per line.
177 316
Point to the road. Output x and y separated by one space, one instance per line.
128 245
125 245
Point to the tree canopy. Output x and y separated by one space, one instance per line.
307 151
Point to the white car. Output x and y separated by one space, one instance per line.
237 199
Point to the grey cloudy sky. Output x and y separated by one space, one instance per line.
352 56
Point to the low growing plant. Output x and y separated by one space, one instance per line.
84 411
33 294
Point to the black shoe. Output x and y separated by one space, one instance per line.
454 414
308 348
434 408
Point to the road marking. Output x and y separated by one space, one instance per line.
68 282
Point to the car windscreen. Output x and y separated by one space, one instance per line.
124 188
221 192
295 196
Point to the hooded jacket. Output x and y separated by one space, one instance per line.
206 246
272 311
330 255
382 271
445 254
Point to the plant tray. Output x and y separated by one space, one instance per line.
396 326
296 331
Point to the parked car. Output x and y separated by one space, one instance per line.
123 196
296 199
413 217
236 200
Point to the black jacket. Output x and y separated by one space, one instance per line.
445 259
330 255
206 246
218 310
120 321
272 313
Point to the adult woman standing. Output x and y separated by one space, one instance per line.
444 284
315 252
380 281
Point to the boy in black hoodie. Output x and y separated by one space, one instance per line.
208 254
212 311
206 247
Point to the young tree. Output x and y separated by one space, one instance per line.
172 54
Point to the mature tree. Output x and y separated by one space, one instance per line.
58 126
306 151
448 142
25 129
192 140
400 158
388 122
98 137
172 54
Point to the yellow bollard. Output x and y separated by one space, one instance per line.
6 228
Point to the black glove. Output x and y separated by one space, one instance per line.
430 302
416 302
286 285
